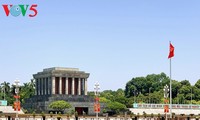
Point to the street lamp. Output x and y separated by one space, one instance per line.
16 84
166 90
97 105
166 94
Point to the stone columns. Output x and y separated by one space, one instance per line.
41 85
73 86
38 86
85 86
82 86
66 86
79 86
44 85
53 85
49 86
60 85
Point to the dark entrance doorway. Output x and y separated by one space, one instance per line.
80 110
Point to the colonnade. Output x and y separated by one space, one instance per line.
61 85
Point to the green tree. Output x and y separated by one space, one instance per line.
8 94
27 90
116 106
109 94
175 88
120 97
197 84
144 85
60 105
104 100
185 90
155 97
185 82
5 89
181 99
196 92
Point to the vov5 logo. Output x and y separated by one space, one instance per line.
16 10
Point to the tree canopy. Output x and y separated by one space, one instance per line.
60 105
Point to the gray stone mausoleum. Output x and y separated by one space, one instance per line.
59 83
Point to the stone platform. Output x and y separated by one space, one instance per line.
41 103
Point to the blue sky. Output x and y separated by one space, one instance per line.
113 40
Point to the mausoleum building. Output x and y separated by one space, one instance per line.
62 81
58 83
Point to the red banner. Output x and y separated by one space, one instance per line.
16 96
166 108
17 106
96 107
97 99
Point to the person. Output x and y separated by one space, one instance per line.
76 115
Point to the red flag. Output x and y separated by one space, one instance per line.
171 51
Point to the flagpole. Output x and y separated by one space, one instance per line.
170 72
171 54
170 90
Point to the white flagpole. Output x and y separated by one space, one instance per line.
170 90
170 84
